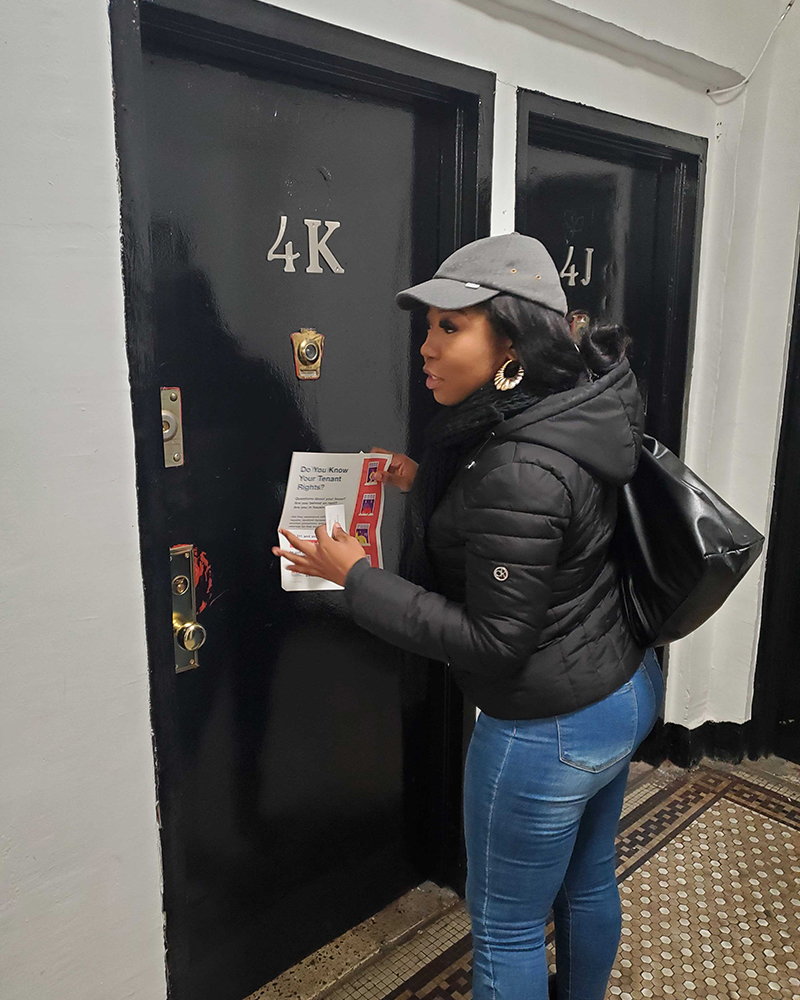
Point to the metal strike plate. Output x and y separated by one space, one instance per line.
172 426
187 633
307 347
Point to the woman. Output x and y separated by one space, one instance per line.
509 581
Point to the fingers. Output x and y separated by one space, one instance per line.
304 570
297 559
305 547
292 556
387 475
295 566
381 475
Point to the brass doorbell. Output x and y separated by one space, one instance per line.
307 344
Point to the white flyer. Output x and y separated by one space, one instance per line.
345 482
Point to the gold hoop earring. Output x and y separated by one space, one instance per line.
503 380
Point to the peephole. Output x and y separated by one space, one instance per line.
307 344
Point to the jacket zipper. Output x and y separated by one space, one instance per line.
477 453
474 459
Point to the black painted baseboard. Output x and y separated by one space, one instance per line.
728 741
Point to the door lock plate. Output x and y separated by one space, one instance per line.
188 635
172 426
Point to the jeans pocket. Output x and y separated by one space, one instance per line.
595 737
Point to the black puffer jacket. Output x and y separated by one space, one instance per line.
529 616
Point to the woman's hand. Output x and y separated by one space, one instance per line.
328 558
400 472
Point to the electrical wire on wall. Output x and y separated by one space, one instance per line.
725 90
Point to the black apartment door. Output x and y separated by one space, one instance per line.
775 724
299 765
617 203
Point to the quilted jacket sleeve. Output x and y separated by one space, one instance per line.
514 522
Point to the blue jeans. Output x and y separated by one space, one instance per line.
542 801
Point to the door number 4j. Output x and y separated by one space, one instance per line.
572 273
317 247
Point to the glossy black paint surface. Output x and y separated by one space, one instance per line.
291 731
631 192
596 218
307 774
776 698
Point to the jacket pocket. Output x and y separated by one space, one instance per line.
595 737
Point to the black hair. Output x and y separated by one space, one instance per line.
546 348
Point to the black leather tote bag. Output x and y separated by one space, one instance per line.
680 548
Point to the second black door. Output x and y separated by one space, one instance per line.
618 203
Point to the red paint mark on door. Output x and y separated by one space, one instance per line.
202 580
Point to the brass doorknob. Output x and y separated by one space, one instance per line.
189 635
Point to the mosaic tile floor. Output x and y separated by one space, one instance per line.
709 873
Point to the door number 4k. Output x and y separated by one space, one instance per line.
317 247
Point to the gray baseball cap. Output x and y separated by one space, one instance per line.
513 263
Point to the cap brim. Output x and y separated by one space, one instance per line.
443 293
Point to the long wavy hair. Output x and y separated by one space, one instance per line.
545 346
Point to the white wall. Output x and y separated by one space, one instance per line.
80 909
80 904
721 33
747 280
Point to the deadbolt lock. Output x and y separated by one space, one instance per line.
307 344
188 635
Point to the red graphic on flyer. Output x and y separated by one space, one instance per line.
366 514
